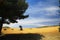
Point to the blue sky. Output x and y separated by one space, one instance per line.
41 13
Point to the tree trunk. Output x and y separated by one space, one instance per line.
59 29
1 24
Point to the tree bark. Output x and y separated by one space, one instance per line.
59 29
1 24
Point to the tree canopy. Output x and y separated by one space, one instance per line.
12 10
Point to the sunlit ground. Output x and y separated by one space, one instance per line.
30 30
50 33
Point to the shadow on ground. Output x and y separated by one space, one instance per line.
28 36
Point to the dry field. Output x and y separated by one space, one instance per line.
49 33
52 36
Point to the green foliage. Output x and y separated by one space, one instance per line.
13 9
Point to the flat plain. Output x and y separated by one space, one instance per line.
49 33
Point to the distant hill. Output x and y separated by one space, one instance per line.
48 26
6 27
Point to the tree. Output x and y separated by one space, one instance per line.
59 27
11 10
20 27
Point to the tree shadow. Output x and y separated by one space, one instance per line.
28 36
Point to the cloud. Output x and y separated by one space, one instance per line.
32 22
43 8
34 10
52 8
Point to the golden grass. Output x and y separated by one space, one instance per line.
30 30
50 33
51 36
